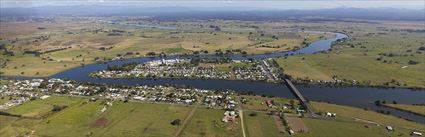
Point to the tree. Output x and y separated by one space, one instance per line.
151 54
378 103
57 108
253 114
413 62
175 122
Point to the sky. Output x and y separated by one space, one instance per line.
252 4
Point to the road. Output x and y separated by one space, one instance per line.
266 69
188 118
242 123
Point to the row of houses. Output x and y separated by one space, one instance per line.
175 68
25 90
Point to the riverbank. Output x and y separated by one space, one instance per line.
415 109
93 44
373 56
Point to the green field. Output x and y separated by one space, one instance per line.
350 122
354 122
207 122
83 41
138 119
336 128
350 113
82 118
39 108
258 103
357 59
261 125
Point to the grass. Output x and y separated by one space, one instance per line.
335 128
137 40
28 65
81 118
258 103
373 124
359 62
5 120
5 99
39 108
207 122
349 113
261 125
138 119
418 109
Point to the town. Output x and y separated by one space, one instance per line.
27 90
18 92
249 70
286 112
112 68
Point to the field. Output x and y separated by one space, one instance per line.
261 125
258 103
326 128
350 113
374 56
41 108
356 122
418 109
350 122
82 118
68 43
206 122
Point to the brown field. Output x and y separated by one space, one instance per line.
297 124
82 39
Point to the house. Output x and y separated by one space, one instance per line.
414 133
269 103
44 97
35 84
389 128
291 132
93 99
139 98
109 104
102 110
229 116
188 101
329 114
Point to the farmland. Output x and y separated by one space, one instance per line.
45 48
349 113
349 122
261 125
82 117
376 55
131 119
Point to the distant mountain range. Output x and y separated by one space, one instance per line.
235 13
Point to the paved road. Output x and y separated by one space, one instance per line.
266 69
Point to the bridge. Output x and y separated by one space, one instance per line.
294 90
300 97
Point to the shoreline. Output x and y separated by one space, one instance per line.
415 113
